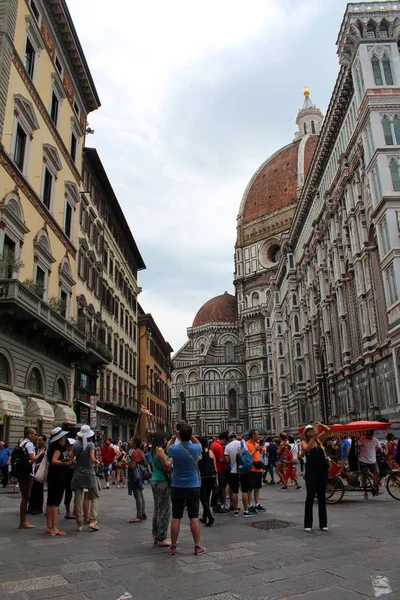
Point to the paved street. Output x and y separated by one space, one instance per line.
358 558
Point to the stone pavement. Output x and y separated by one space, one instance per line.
358 558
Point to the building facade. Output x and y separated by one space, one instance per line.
108 265
46 94
317 253
154 378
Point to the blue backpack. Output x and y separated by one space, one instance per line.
244 460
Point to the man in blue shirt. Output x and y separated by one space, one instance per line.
185 486
5 457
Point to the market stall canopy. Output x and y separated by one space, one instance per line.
36 408
11 405
98 409
64 414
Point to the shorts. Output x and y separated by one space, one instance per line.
222 478
255 480
365 467
107 469
25 486
55 491
188 496
235 481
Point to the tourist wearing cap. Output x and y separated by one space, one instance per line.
56 478
84 477
316 475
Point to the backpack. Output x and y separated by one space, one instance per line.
21 466
244 460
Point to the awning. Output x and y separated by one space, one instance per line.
64 414
98 408
11 405
36 408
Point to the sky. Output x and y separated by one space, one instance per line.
195 96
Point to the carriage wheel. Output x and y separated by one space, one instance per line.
393 485
334 490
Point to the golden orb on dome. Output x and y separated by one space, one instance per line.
306 91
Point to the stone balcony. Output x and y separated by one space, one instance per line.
99 352
31 312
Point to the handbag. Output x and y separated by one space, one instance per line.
328 459
43 470
258 464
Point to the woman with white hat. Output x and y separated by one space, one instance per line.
84 477
56 478
316 475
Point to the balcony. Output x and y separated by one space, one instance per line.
34 314
99 352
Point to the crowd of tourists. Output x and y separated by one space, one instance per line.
184 472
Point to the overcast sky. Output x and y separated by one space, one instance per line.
195 96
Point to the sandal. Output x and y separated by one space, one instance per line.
172 550
80 528
93 527
199 550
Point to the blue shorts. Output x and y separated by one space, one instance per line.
107 469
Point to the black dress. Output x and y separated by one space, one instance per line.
316 477
207 472
56 478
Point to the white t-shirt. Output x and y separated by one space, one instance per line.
30 448
232 450
368 450
294 450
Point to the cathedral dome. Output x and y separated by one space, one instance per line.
221 309
276 183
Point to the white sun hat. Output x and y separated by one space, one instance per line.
57 434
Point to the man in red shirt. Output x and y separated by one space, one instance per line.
217 448
107 458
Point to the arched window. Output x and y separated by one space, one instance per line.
182 407
270 365
376 68
229 352
394 172
280 349
5 375
202 349
279 329
305 127
296 323
396 125
255 299
35 382
387 131
61 392
283 388
294 300
285 419
232 404
282 370
298 349
313 127
387 69
300 373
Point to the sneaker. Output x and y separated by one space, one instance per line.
106 487
246 514
324 529
308 529
221 511
260 508
117 487
231 507
298 488
236 513
282 489
252 510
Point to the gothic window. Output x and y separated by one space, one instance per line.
396 126
270 365
300 375
279 329
232 404
35 382
294 300
280 349
5 376
305 127
282 370
182 407
391 285
387 131
313 127
394 172
387 69
283 388
298 349
296 323
376 68
255 299
229 352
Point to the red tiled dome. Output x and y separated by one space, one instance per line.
274 185
221 309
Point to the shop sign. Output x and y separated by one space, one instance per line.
30 422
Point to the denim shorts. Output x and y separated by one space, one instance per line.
107 469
